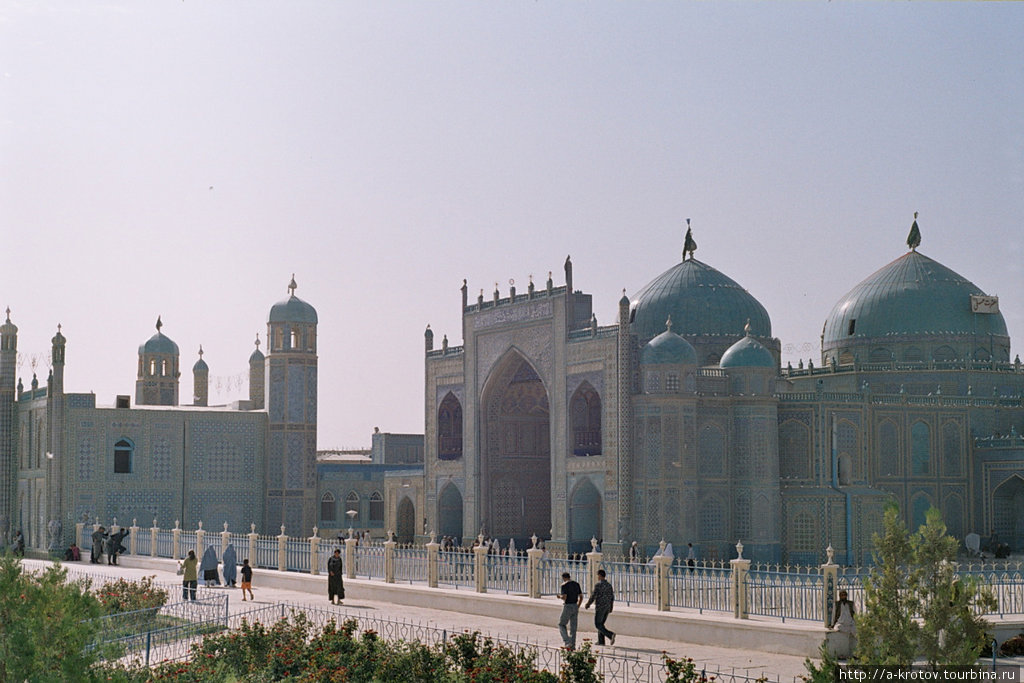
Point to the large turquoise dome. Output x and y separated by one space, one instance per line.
292 310
159 343
913 302
701 302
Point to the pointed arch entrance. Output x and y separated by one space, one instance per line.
449 512
584 517
516 462
406 522
1008 511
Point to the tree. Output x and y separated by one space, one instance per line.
48 624
915 604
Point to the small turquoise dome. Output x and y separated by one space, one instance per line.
702 302
159 343
256 357
200 366
747 353
668 347
914 297
293 309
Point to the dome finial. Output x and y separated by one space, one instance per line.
200 352
257 341
746 328
668 324
159 323
914 238
689 244
292 286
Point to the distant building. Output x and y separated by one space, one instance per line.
677 422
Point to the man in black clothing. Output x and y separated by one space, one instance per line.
604 596
571 597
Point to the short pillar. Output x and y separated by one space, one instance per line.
154 532
200 541
829 582
282 545
350 556
253 538
533 558
133 537
314 553
740 569
662 591
593 562
480 564
432 559
80 534
176 541
225 539
389 559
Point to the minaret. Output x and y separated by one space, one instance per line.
291 402
8 367
157 383
257 380
57 525
201 381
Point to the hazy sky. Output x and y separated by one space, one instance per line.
183 159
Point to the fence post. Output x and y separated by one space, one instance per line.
593 562
133 536
662 567
153 533
225 539
200 540
176 540
253 537
480 564
314 553
389 559
282 544
829 579
533 558
350 555
740 568
79 539
432 557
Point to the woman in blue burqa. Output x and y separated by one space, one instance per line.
230 569
208 567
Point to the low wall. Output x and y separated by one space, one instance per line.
715 629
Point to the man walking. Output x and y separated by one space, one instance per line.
604 596
335 583
571 597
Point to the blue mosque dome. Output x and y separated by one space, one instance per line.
668 347
159 343
911 299
256 356
200 365
747 353
701 302
293 309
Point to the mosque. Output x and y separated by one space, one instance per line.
675 423
678 422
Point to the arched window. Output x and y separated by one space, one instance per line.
794 450
920 449
449 428
944 354
585 414
152 367
888 449
328 511
352 507
880 355
919 512
123 451
952 450
163 368
804 532
296 344
376 508
711 451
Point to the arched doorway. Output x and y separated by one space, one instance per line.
516 467
449 512
584 517
406 523
1008 512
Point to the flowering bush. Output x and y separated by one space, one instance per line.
128 596
683 671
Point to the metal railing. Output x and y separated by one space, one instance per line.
789 596
700 588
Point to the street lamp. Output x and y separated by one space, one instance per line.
351 517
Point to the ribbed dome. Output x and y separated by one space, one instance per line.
200 366
159 343
668 347
292 310
701 301
747 353
914 297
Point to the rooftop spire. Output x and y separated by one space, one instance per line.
159 323
914 238
257 341
689 245
292 286
668 324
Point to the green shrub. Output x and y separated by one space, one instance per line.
1012 647
123 595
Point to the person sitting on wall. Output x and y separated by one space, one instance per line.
72 554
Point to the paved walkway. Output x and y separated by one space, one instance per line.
776 667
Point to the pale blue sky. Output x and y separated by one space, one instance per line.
185 158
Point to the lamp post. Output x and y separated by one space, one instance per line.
351 517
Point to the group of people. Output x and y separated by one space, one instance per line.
190 569
571 595
109 544
18 544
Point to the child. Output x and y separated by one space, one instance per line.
247 580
